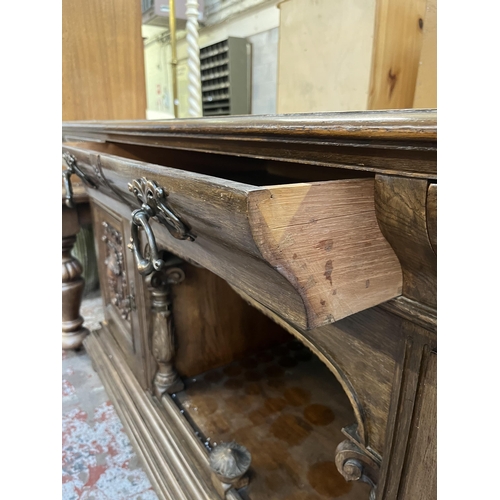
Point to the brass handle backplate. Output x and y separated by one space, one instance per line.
154 204
73 169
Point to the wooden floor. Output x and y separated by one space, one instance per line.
286 407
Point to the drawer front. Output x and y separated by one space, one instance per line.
311 252
117 278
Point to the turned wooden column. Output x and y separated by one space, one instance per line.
167 379
73 332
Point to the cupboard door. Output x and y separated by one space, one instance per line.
118 285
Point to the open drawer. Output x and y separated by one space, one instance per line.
310 251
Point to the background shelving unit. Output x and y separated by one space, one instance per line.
225 77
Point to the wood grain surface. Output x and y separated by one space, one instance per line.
377 141
127 331
396 53
103 60
411 427
285 407
335 255
341 263
426 85
247 233
360 351
174 470
401 206
432 215
215 326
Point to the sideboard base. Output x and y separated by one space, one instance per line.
173 457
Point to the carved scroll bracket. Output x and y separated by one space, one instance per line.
167 379
356 465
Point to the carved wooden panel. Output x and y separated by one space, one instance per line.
120 284
116 276
409 458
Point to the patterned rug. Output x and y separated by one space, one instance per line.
98 460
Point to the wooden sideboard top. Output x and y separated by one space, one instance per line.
391 141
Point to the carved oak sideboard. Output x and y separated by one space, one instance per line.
268 281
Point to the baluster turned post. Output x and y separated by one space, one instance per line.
167 379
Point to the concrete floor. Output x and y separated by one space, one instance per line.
98 460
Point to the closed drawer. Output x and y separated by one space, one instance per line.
312 252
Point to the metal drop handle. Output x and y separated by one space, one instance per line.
154 204
73 169
145 266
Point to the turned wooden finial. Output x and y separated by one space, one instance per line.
229 463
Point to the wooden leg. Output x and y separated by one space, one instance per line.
72 288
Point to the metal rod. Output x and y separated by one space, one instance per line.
173 44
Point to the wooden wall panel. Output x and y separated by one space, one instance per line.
214 326
324 55
396 53
409 466
426 87
103 60
419 476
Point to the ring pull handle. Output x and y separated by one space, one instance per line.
154 202
145 266
73 169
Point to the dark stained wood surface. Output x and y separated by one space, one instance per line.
360 351
384 357
432 215
118 284
176 469
73 332
401 205
409 466
246 234
285 407
404 126
422 460
379 141
211 332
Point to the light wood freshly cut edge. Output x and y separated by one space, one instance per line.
325 239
